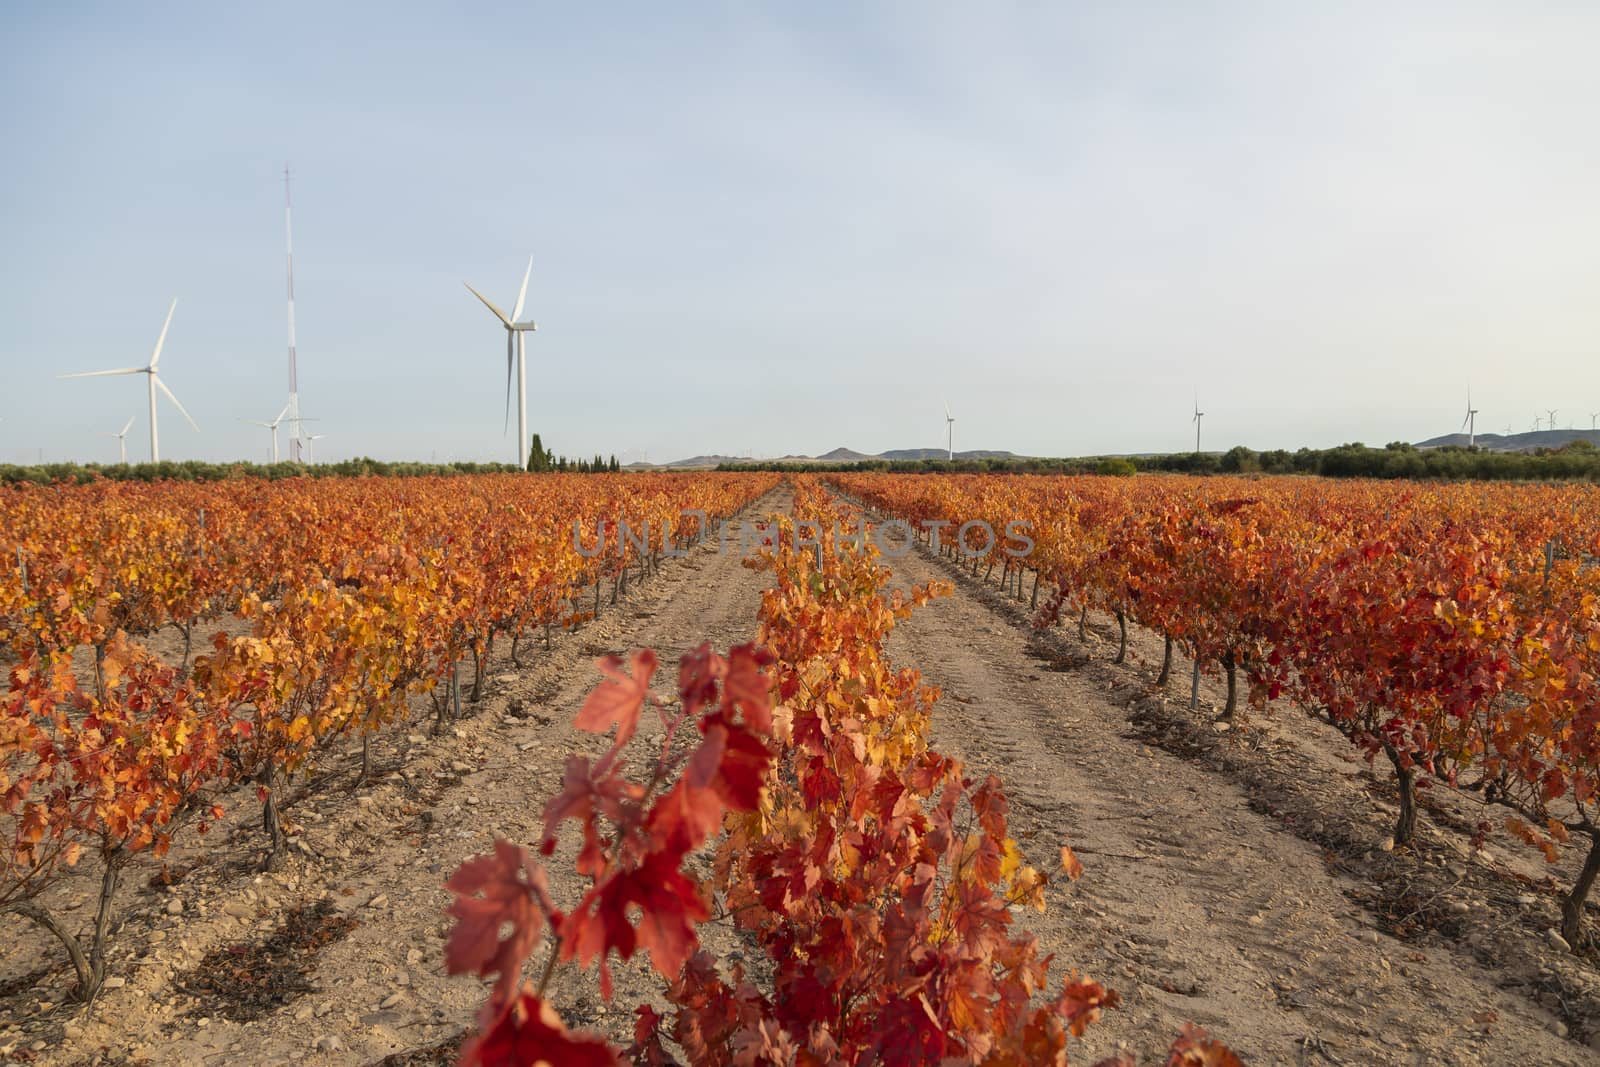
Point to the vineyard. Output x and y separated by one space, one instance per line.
761 832
1450 631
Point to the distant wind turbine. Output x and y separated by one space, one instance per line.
1470 423
122 439
1537 422
1593 415
949 433
515 353
1552 412
311 439
1198 415
155 383
273 427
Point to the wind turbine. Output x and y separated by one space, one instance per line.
155 383
514 332
304 439
311 439
1537 422
1470 423
1198 415
122 439
1552 412
273 426
949 433
1593 415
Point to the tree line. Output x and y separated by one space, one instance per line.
1576 461
543 461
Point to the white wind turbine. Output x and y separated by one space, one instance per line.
1593 415
1552 412
1198 415
1470 423
949 433
273 426
311 439
122 439
155 383
514 353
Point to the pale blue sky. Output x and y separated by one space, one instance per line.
785 227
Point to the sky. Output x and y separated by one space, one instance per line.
782 228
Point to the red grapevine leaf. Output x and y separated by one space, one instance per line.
1194 1049
747 686
1081 1001
698 673
529 1032
492 891
618 700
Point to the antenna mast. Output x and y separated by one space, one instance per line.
294 382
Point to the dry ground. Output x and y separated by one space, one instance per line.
1235 879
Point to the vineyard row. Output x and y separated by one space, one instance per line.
874 880
1452 630
324 607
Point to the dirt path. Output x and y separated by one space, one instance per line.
1194 906
378 855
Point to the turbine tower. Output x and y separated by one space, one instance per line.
155 383
1198 415
949 433
1552 412
514 353
122 439
1470 423
311 440
293 408
1593 415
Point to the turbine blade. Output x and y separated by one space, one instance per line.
281 414
522 294
128 427
501 315
161 385
103 373
155 357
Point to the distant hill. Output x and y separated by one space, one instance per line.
1492 442
1517 442
838 455
939 453
692 461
